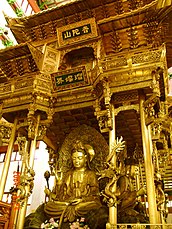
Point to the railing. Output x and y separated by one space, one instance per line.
5 210
134 59
144 226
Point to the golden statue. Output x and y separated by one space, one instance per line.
127 195
119 189
78 192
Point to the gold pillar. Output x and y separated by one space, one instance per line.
33 144
113 209
7 160
137 177
149 172
23 166
22 211
14 210
160 214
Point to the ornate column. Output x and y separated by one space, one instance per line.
14 211
33 143
106 119
149 171
28 173
160 132
17 193
112 136
7 159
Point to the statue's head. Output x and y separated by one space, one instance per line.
82 154
131 171
79 159
130 167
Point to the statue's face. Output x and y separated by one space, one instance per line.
132 171
79 159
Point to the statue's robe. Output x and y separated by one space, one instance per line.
86 191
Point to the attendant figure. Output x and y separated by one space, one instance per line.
130 210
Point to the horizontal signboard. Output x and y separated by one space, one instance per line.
71 78
78 31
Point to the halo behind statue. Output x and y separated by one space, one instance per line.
89 136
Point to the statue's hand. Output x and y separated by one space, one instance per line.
50 194
47 191
76 201
141 191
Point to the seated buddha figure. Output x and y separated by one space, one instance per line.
78 192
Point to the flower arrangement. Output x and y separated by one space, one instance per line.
50 224
79 224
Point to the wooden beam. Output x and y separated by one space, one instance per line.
34 6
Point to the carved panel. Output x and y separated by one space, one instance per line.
43 84
105 121
16 100
125 97
151 106
37 55
5 132
49 67
23 84
129 77
5 210
51 60
147 57
5 88
111 63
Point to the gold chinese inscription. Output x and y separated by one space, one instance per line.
77 31
70 79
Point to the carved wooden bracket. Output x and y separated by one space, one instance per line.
151 106
103 106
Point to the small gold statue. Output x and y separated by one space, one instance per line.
78 192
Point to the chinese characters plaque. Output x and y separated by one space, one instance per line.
71 78
78 31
